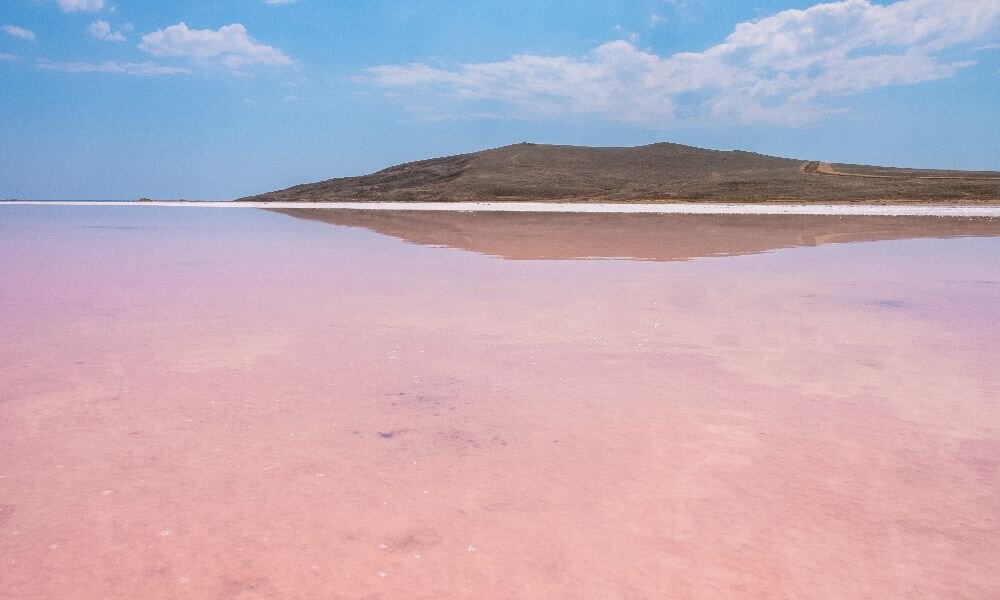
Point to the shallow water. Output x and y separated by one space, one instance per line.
243 404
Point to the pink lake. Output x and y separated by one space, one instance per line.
234 403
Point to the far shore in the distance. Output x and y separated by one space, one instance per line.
715 208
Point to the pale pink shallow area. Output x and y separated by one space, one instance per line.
238 404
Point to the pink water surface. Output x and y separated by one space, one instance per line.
238 404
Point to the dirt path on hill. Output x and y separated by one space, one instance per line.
823 168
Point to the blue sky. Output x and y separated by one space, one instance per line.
119 99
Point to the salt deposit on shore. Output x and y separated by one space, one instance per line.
892 210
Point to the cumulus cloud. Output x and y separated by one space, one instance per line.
230 46
19 32
785 68
80 5
102 31
140 69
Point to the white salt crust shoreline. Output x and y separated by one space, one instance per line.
891 210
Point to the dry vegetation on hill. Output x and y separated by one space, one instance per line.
657 172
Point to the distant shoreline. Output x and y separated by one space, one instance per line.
912 210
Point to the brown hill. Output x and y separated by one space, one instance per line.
657 172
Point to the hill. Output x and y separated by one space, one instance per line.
657 172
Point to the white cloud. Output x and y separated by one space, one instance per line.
80 5
625 33
230 46
19 32
102 31
784 68
279 2
7 57
141 69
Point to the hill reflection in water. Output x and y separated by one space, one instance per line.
566 236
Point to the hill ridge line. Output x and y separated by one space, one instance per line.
660 172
